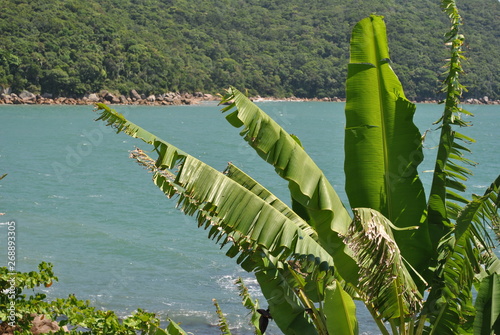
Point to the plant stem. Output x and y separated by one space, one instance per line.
318 320
421 323
379 323
412 324
402 323
394 328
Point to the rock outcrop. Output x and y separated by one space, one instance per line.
39 325
168 98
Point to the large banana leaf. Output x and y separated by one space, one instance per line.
383 147
235 208
341 318
285 305
310 190
487 321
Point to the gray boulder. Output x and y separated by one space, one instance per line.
27 96
92 97
134 95
111 98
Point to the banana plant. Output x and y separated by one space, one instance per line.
313 259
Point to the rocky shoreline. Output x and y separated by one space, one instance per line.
133 98
165 99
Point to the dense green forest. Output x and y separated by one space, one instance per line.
270 47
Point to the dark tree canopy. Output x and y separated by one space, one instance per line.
272 47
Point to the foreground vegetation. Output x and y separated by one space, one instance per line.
23 313
272 48
18 309
313 259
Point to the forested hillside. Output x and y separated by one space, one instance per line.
270 47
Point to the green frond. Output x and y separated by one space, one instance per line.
228 208
449 305
341 311
233 172
491 208
250 304
449 171
262 231
174 329
463 255
450 195
487 320
289 159
481 212
312 194
282 284
222 323
385 281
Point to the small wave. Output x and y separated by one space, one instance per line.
480 186
95 196
228 282
54 196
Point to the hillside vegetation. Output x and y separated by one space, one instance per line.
270 47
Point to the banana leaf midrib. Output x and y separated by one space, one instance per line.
233 172
387 184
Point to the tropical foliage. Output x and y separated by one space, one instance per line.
18 309
412 260
271 48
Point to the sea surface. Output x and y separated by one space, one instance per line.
114 239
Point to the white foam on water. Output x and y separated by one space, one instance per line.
54 196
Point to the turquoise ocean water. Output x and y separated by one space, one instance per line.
114 238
